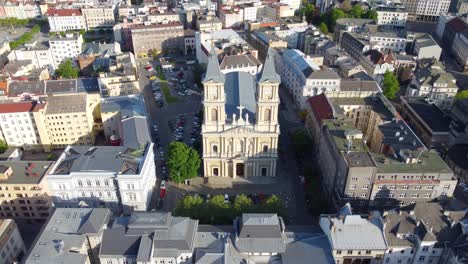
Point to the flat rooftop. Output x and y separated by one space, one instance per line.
338 128
25 172
430 114
359 159
430 162
129 106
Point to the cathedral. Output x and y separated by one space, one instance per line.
240 126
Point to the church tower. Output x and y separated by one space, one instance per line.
267 95
214 96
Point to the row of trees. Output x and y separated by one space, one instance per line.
26 37
217 211
12 21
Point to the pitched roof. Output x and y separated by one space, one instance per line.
236 60
17 107
321 107
269 73
63 12
240 90
261 233
457 24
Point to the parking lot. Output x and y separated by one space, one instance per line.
170 120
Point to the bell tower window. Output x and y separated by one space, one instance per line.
214 114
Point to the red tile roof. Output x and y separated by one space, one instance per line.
17 107
321 107
63 12
457 24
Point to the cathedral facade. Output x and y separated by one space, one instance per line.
240 126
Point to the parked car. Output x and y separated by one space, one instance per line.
226 198
163 184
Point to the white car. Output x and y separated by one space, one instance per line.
163 184
226 198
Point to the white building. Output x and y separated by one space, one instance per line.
240 63
430 10
67 47
304 79
12 246
249 12
65 19
385 41
391 16
116 177
18 125
99 16
38 54
294 4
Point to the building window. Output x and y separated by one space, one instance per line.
215 149
350 252
365 187
425 249
267 115
265 149
214 114
80 183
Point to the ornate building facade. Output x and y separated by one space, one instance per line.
240 128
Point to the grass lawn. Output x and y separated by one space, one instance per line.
167 94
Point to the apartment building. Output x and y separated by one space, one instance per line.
18 125
249 11
116 177
460 50
231 16
459 122
65 19
98 17
12 247
166 38
426 47
121 78
354 238
304 79
63 48
432 81
209 23
367 156
71 234
275 11
177 243
125 120
163 17
23 189
68 119
394 16
22 9
422 232
36 52
240 63
426 10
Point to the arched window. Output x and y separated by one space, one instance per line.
214 114
215 149
267 115
265 148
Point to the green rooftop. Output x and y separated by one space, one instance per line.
338 130
430 162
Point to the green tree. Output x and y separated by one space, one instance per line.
346 5
190 206
462 95
273 204
242 204
3 146
331 16
67 70
390 85
183 162
219 210
357 11
370 14
323 27
309 10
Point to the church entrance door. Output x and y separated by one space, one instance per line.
240 169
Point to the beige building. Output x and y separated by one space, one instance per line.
11 244
99 17
71 119
276 11
240 129
23 190
168 37
209 23
122 77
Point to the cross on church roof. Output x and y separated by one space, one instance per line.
240 107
